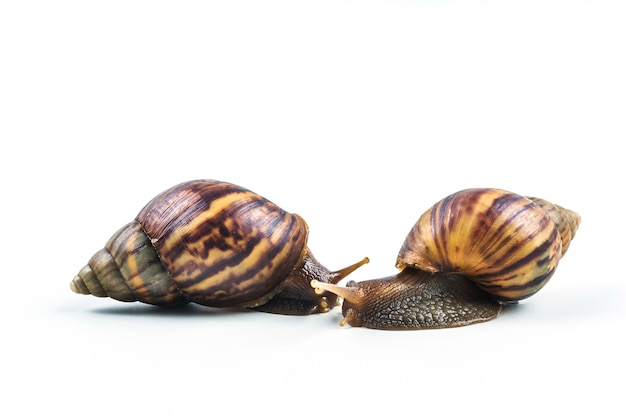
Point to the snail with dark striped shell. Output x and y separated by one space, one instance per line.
215 244
467 255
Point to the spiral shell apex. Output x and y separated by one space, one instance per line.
128 269
566 220
509 245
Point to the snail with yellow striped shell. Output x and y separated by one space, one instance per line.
215 244
467 255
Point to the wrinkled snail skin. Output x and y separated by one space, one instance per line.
468 254
212 243
412 299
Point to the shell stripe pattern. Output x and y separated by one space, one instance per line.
222 244
491 235
144 273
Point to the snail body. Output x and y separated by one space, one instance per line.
467 255
212 243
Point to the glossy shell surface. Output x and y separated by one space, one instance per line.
205 241
505 242
223 244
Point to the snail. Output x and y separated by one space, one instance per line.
216 244
466 256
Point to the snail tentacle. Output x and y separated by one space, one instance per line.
297 296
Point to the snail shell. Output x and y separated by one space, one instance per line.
468 253
508 244
215 244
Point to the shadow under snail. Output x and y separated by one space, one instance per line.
466 256
215 244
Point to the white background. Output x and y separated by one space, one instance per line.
358 115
